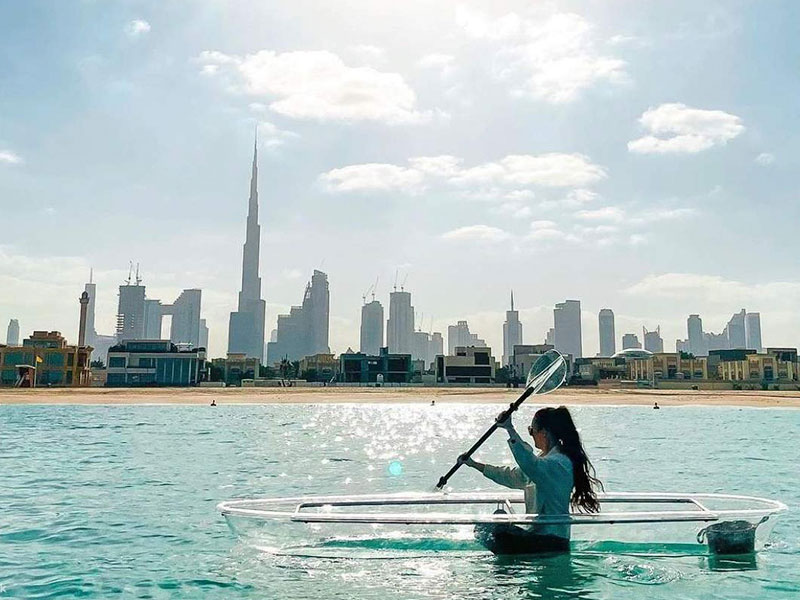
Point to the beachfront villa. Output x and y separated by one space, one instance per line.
45 359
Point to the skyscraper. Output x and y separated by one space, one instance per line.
567 325
12 334
185 311
371 328
630 340
652 340
153 319
131 311
460 335
246 326
697 340
512 333
91 289
203 334
400 326
752 323
608 343
304 331
735 331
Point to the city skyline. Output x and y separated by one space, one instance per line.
405 180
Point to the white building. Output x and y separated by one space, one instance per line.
400 326
467 365
512 333
12 334
567 328
460 335
371 328
630 340
608 342
752 325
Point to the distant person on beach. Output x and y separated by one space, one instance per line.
656 406
558 477
213 402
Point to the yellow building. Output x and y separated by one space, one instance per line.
758 367
668 365
320 367
45 358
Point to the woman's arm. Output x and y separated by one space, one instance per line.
511 477
522 451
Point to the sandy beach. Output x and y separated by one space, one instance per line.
129 396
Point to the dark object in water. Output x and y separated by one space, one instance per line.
730 537
505 538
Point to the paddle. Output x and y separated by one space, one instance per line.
546 375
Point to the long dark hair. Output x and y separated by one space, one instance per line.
558 424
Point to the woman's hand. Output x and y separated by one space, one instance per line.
466 460
504 421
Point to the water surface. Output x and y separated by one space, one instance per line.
104 502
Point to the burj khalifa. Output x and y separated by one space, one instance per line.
246 328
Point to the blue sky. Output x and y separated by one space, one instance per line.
640 156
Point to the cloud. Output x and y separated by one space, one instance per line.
616 214
514 210
607 213
765 159
137 28
10 158
477 233
318 85
270 136
547 170
373 177
444 63
717 290
368 54
553 59
676 128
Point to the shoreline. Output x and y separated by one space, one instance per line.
415 395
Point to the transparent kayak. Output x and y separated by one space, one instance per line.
696 523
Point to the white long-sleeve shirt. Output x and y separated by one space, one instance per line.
551 474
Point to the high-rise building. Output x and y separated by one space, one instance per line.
12 333
400 326
318 302
153 319
653 341
512 333
371 328
131 312
567 325
246 326
752 325
185 312
697 340
98 342
735 331
427 346
608 343
630 340
91 289
203 334
304 331
460 335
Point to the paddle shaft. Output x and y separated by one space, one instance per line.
511 409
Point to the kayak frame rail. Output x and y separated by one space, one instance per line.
297 509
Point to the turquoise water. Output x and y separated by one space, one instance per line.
104 502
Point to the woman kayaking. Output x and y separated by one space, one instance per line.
560 476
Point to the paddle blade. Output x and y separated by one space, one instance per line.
547 373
